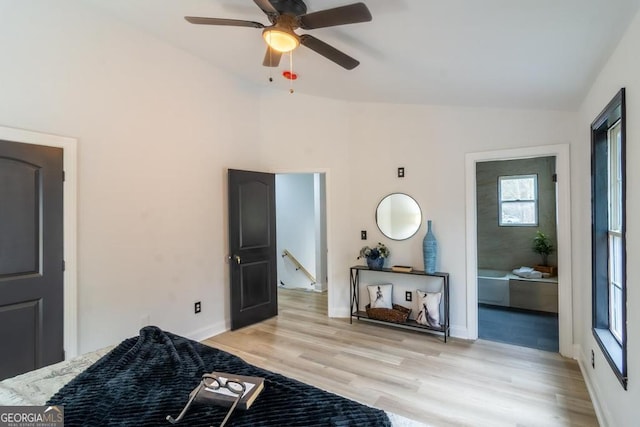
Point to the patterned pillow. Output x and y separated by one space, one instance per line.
429 305
380 295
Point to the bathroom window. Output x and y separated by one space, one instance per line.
518 200
608 210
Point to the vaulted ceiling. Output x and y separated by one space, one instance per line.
538 54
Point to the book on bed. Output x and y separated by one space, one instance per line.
222 396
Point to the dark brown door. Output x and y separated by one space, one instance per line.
252 246
31 248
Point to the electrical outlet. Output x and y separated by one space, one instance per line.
400 172
363 235
593 360
407 295
197 307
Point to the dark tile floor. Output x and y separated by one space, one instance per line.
519 327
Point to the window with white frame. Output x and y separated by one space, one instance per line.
518 200
615 230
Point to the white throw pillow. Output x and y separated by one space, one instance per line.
380 295
429 305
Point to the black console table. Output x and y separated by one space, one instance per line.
356 312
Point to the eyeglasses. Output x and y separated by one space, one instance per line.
236 387
214 383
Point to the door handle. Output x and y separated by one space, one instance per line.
237 259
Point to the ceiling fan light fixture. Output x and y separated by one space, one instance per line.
281 39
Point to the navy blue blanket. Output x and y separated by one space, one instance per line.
148 377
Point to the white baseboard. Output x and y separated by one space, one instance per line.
592 387
459 332
208 331
339 312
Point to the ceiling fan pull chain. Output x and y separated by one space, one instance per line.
291 69
270 51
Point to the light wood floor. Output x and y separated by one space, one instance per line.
414 374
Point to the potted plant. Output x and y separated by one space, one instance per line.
542 245
375 256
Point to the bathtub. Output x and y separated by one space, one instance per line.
493 287
497 287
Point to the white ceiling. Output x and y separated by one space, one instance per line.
538 54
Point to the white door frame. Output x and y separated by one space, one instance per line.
69 148
563 212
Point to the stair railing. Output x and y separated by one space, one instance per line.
287 254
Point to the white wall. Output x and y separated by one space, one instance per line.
296 225
156 130
617 407
361 145
310 134
430 143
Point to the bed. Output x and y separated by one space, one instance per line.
147 377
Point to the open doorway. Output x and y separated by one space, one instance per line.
563 251
301 237
517 278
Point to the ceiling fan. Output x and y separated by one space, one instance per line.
288 15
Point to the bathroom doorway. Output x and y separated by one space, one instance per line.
562 251
517 295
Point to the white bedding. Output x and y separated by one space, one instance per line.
36 387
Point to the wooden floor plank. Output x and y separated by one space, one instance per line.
416 375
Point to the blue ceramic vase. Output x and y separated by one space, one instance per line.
429 250
375 264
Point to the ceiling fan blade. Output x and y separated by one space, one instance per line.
266 7
221 21
329 52
350 14
271 58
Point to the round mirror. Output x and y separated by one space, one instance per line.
398 216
